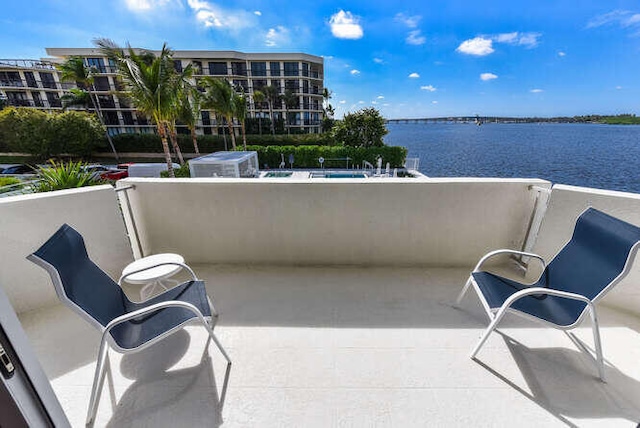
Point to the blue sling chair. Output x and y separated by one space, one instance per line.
125 325
599 254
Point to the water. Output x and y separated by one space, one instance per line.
599 156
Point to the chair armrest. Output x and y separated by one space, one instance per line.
182 265
153 308
506 251
541 290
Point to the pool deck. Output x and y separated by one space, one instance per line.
347 347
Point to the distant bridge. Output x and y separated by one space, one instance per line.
466 119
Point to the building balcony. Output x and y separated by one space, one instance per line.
335 303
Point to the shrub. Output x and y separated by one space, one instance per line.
182 172
307 156
27 130
364 128
64 176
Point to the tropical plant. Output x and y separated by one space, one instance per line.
364 128
188 113
218 96
258 99
290 101
74 70
150 82
272 95
326 105
64 175
240 109
76 97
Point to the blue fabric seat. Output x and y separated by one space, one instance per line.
596 258
125 325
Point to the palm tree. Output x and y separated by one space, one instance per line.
189 111
219 97
290 101
326 97
258 99
74 70
272 96
240 109
150 83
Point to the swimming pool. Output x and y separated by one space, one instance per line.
339 175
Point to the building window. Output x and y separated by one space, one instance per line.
37 99
305 86
98 63
305 69
206 118
177 65
239 68
101 83
240 85
197 67
110 118
258 69
127 118
258 84
275 68
47 80
106 101
218 68
31 80
291 85
10 78
53 99
290 68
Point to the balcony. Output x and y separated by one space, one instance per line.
335 301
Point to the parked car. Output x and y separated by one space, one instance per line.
104 173
20 169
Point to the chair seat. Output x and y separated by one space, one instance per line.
139 331
557 310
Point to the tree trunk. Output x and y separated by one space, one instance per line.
194 137
174 142
224 135
286 121
231 131
273 126
165 146
96 107
260 123
244 136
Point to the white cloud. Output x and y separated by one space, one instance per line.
380 97
277 36
618 87
536 91
625 19
414 76
378 60
144 5
360 102
257 12
374 102
434 102
415 37
409 21
560 53
213 16
488 76
355 72
345 25
343 101
429 88
478 46
483 45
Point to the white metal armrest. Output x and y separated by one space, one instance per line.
506 251
182 265
152 308
541 290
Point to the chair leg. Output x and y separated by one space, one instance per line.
487 332
98 378
462 293
598 344
214 313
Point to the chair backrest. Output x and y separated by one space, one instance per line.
598 255
79 283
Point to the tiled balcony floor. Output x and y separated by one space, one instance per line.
347 347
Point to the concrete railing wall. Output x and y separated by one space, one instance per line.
565 204
28 221
436 222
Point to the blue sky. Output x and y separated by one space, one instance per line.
406 58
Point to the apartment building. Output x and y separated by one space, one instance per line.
36 83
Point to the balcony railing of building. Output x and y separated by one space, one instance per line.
27 63
39 84
33 103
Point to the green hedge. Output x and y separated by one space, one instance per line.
307 156
150 143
